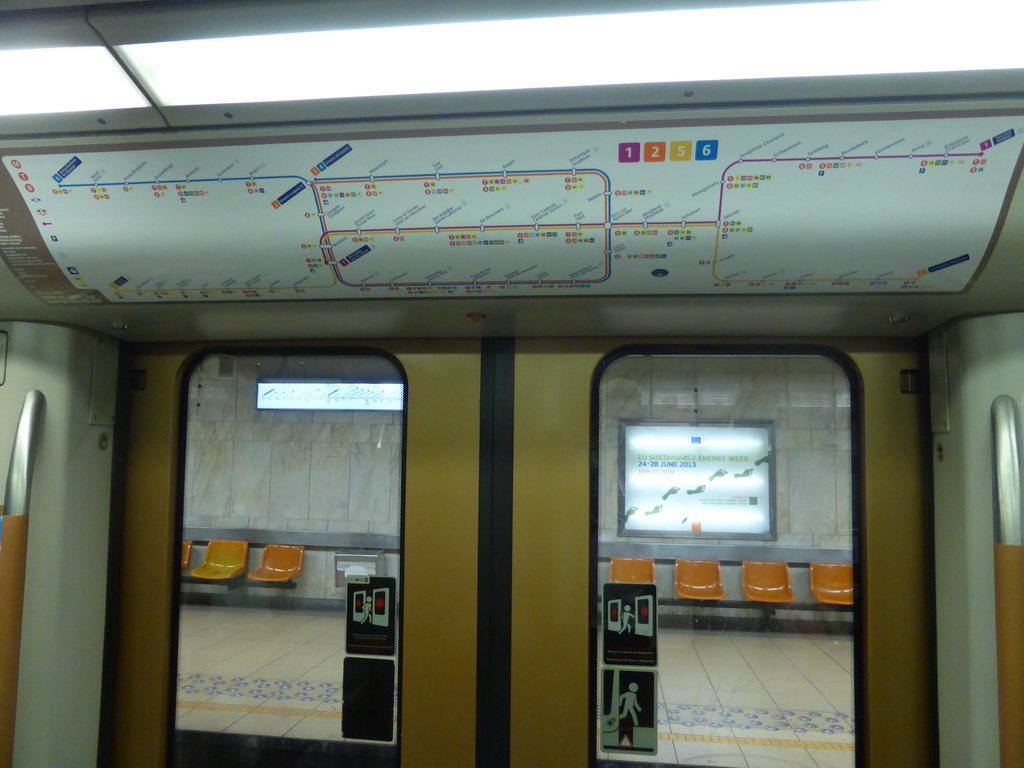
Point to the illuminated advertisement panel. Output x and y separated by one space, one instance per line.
709 480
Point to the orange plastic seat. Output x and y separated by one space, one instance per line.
767 582
186 554
280 562
224 560
832 583
633 570
699 580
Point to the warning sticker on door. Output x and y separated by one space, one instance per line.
631 625
370 620
628 711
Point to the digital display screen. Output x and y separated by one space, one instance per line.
329 396
707 480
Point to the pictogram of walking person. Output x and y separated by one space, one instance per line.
628 705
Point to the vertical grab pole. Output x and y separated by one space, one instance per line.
13 548
1007 495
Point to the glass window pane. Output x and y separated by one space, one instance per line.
725 560
290 588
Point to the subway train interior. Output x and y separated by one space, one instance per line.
512 384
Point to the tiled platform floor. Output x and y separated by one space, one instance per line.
727 699
269 673
754 700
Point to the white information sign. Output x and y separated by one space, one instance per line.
697 479
328 396
862 206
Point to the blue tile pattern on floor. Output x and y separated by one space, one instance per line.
771 720
258 688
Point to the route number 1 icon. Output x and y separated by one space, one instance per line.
629 152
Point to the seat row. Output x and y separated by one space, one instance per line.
764 582
229 559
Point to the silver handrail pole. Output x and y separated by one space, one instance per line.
1006 455
18 492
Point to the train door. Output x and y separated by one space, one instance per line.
568 513
310 508
498 593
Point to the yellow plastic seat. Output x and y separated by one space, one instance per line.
186 554
832 583
224 560
767 582
633 570
280 562
699 580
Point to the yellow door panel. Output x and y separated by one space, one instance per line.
551 550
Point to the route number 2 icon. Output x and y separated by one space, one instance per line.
654 152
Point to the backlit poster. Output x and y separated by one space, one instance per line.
712 480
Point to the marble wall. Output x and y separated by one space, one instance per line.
312 471
334 471
807 399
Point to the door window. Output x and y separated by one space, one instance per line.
726 559
289 619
